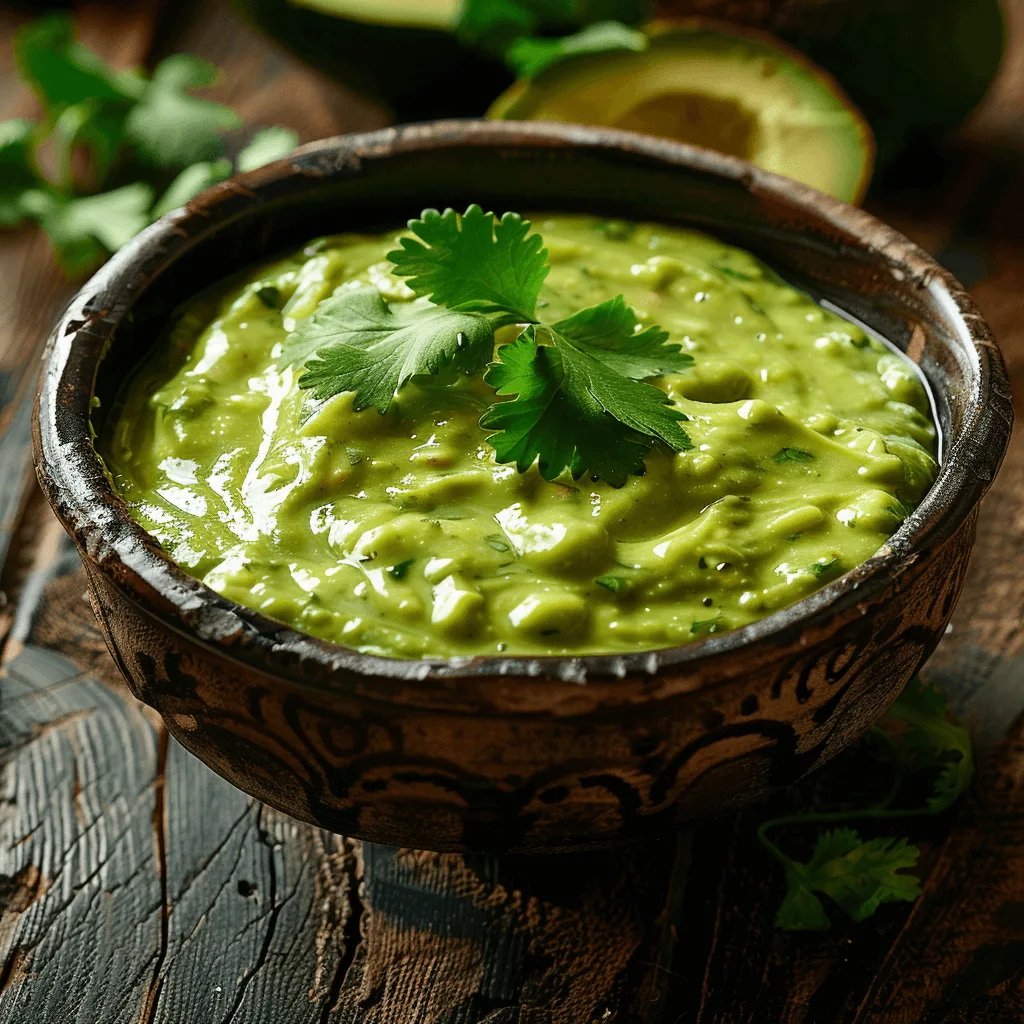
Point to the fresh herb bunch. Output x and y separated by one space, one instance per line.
150 138
580 402
858 875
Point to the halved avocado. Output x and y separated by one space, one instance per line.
916 68
741 93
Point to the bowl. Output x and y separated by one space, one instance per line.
519 754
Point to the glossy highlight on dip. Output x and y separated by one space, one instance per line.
400 534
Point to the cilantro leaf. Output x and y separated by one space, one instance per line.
528 56
401 569
800 910
84 98
491 25
16 172
581 403
858 876
190 182
611 582
265 147
62 72
598 377
473 262
171 128
706 626
936 741
554 421
83 229
823 566
98 126
792 455
364 346
613 327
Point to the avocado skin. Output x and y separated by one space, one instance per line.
916 68
416 73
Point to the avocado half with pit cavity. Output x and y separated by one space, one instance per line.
741 93
916 68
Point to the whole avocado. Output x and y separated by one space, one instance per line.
416 72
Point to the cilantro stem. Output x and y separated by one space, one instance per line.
878 811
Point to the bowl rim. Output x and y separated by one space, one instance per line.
74 479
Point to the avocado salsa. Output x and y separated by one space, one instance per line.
401 535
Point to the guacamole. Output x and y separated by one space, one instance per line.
399 534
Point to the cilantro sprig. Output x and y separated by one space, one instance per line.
859 875
577 395
112 149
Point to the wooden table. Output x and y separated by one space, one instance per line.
136 886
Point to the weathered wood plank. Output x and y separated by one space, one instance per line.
258 905
77 846
248 915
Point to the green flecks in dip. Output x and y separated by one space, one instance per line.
400 535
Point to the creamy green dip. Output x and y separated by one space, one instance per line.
400 535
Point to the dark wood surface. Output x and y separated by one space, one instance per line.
135 885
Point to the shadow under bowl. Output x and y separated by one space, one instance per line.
519 754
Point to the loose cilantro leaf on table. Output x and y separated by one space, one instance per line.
490 25
82 228
364 346
858 876
936 742
127 126
169 127
473 262
266 146
16 175
63 72
190 183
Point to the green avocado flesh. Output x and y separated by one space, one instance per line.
442 14
739 94
399 534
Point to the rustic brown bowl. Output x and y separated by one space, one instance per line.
518 754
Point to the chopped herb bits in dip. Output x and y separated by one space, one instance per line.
483 436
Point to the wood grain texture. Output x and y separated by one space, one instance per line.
136 886
198 903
